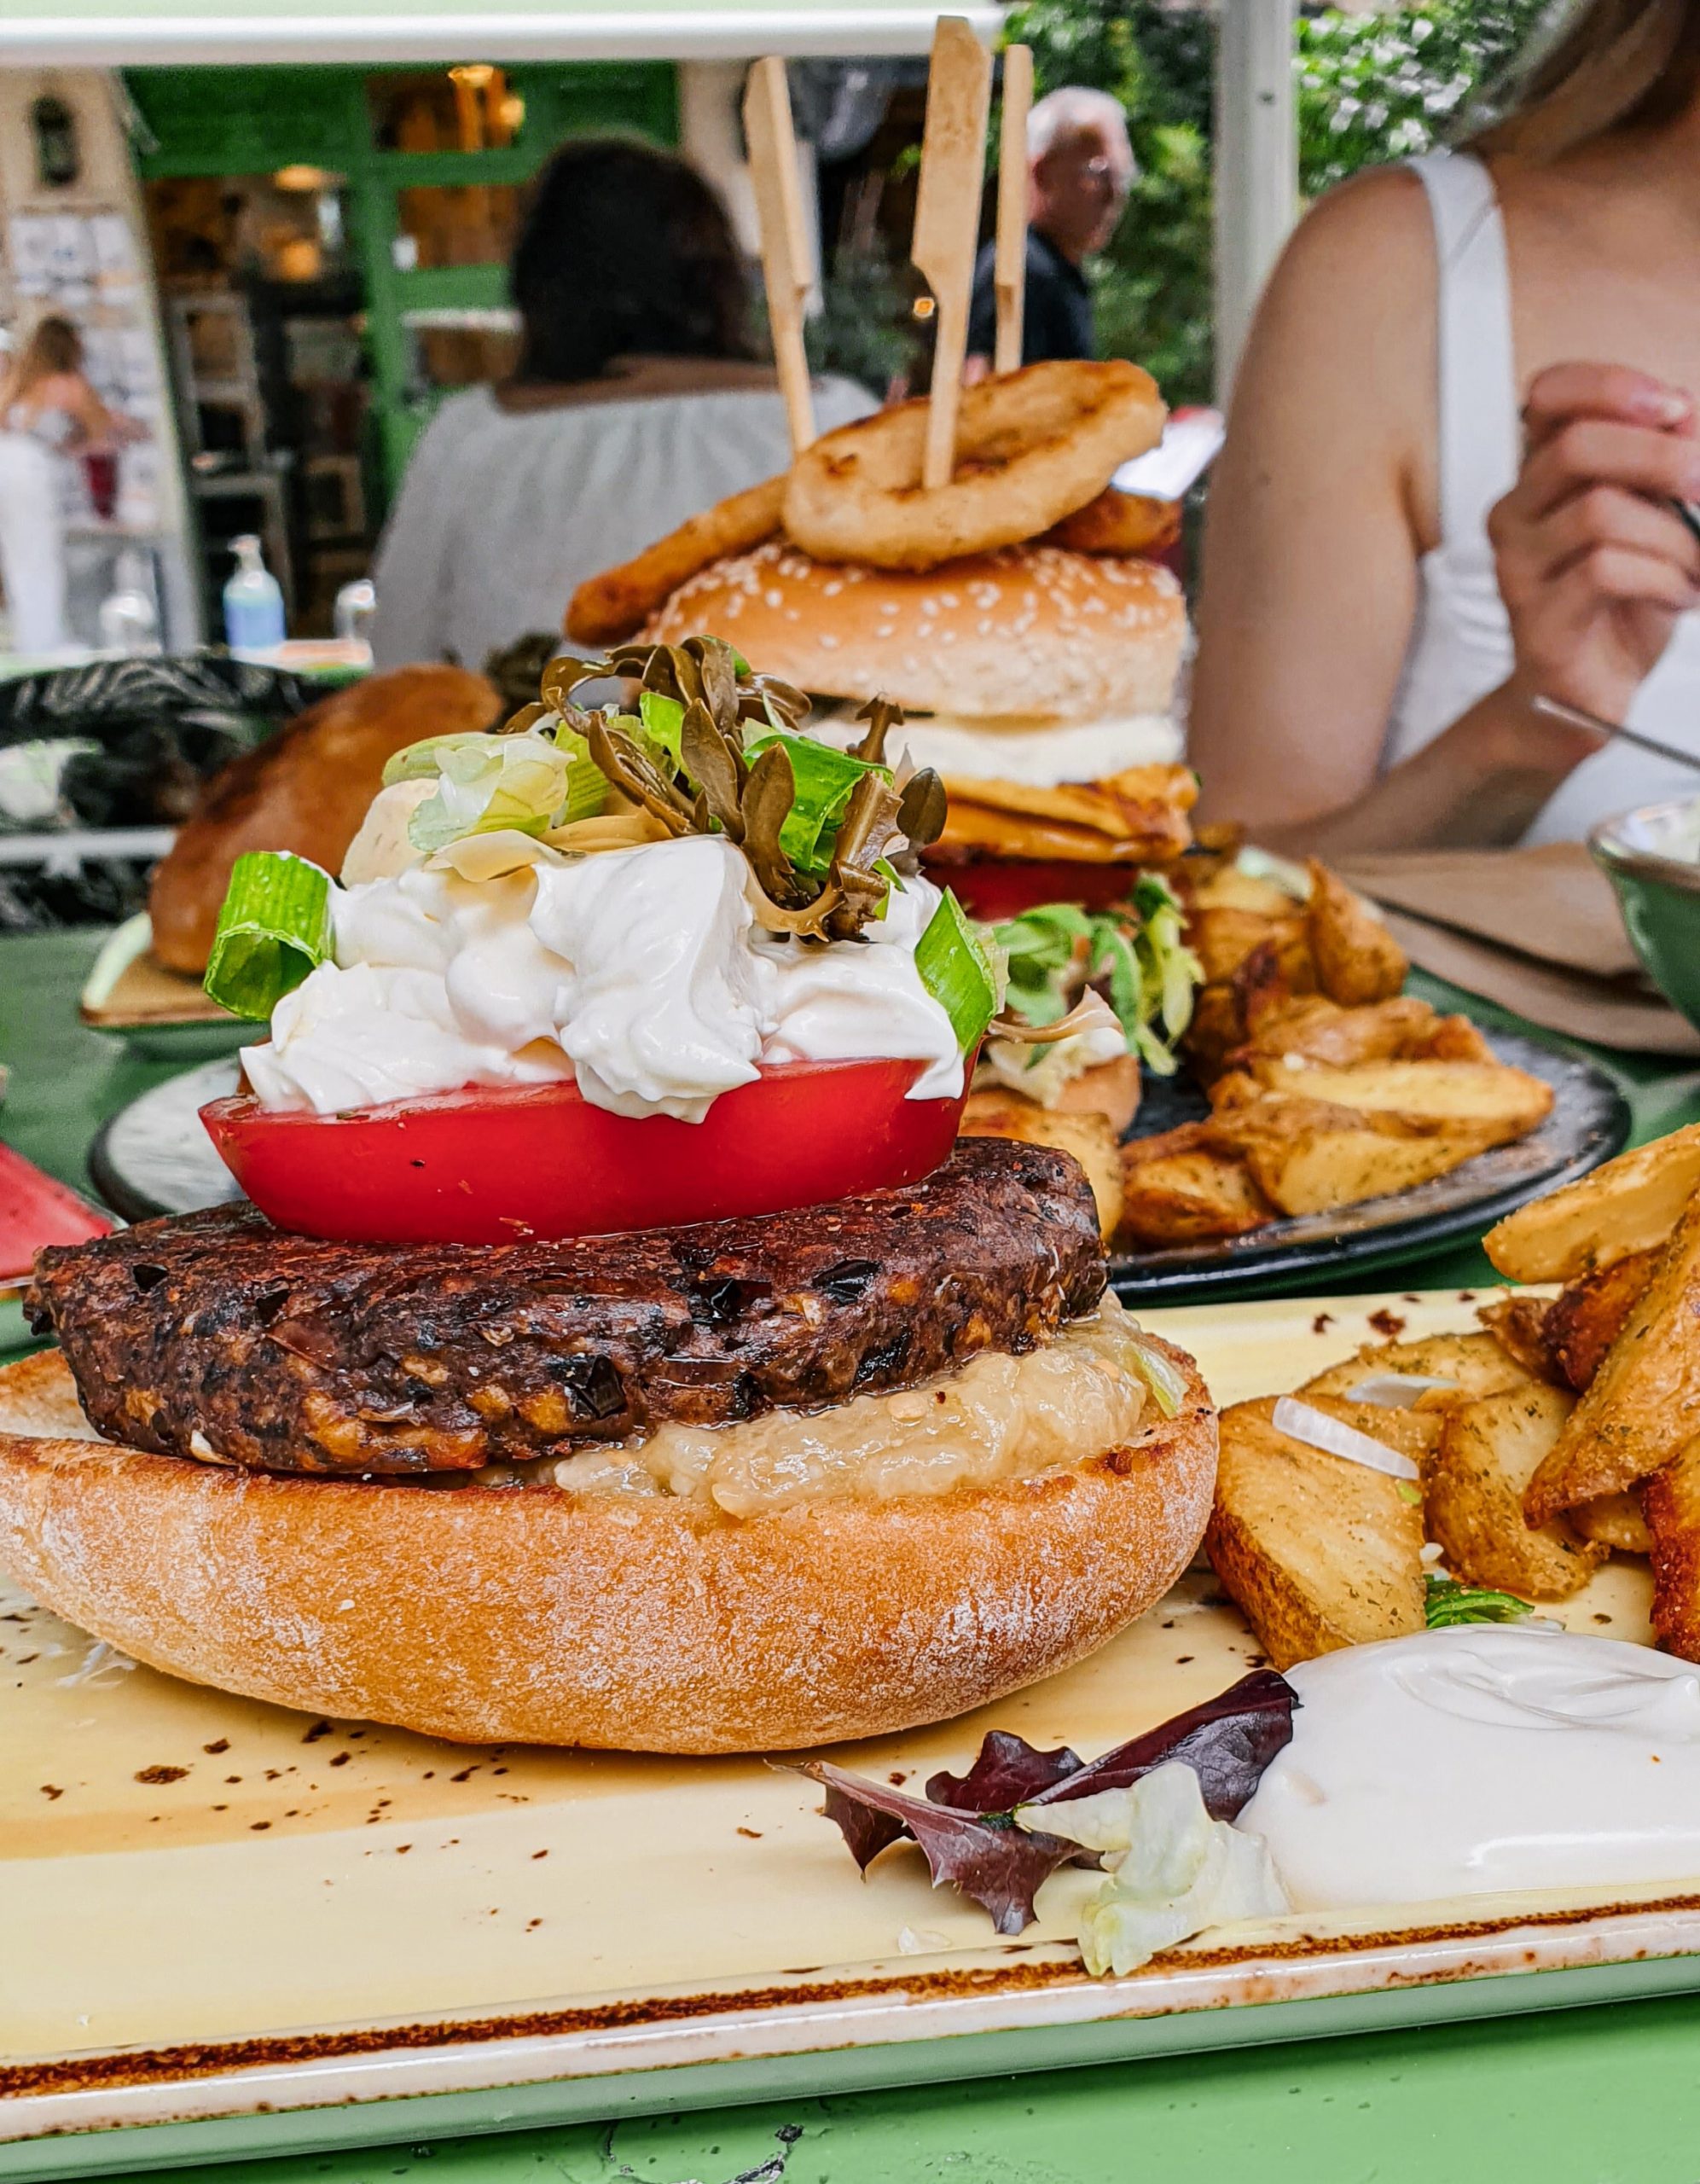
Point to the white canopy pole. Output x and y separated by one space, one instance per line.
1257 164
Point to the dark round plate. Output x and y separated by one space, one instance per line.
1589 1122
153 1157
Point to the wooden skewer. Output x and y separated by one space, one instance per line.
786 262
959 95
1010 279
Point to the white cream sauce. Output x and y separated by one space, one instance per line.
1032 751
642 971
1481 1759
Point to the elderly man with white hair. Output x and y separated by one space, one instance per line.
1081 167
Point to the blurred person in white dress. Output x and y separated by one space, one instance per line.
638 399
49 416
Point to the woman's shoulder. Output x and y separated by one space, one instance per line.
1374 227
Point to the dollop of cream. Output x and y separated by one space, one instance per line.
1483 1759
640 971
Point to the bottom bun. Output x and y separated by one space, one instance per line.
642 1623
1111 1089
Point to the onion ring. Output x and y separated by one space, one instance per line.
1031 447
608 608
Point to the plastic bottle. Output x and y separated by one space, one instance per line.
253 601
129 623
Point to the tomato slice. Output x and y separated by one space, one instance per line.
993 889
495 1167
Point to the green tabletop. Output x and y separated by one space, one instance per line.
1607 2095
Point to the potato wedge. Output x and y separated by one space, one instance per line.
1630 1205
1228 888
1183 1188
1519 1325
1318 1553
1489 1095
1317 1030
1222 938
1088 1137
1642 1407
1614 1520
1473 1496
1476 1364
1671 1499
1588 1315
1357 958
1309 1156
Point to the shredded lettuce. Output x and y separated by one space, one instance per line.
1136 956
489 784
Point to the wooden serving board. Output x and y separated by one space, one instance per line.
259 1929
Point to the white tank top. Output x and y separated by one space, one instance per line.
1460 648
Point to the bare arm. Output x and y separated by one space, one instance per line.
1311 545
1310 562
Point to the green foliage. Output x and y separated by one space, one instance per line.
1370 88
1384 87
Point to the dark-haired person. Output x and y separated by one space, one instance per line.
1464 412
637 401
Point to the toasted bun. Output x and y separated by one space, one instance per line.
642 1625
306 789
1111 1089
1032 630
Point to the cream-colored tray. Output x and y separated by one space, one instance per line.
214 1909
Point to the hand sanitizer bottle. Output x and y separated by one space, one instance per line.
253 602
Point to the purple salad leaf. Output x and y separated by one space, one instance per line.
1008 1772
999 1865
1227 1742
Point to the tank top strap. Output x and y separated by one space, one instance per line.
1480 436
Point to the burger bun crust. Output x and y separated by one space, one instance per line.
1031 631
635 1623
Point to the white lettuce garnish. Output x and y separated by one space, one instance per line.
1173 1870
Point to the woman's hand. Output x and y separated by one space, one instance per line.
1594 564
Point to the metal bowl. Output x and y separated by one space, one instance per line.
1651 857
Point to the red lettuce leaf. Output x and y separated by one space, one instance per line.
999 1865
1009 1772
1227 1742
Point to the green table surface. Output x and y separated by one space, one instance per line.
1602 2095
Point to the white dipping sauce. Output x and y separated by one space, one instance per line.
1481 1759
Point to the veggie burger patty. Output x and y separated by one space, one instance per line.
216 1336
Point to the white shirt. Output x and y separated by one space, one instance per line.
502 515
1461 646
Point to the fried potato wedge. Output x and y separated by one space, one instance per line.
1643 1405
1310 1156
1671 1499
1183 1187
1519 1325
1614 1520
1488 1096
1630 1205
1088 1137
1473 1496
1228 888
1588 1315
1319 1031
1317 1551
607 608
1357 958
1222 938
1475 1364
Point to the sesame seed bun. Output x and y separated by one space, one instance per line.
646 1623
1030 630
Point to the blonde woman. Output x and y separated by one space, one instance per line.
1464 415
48 411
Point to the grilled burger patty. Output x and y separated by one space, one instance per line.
215 1335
